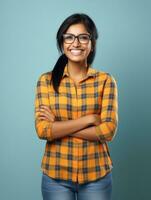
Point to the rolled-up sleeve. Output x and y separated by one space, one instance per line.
107 129
43 127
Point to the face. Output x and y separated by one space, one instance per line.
77 51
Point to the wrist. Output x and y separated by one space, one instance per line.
85 121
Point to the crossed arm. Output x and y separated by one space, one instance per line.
90 127
83 127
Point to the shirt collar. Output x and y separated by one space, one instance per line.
91 72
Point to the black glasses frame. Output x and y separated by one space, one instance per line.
70 34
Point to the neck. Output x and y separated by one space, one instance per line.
77 69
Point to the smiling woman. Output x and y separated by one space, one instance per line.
76 113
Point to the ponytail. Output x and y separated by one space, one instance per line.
57 71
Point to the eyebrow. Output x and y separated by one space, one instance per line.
78 34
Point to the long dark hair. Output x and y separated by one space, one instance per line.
76 18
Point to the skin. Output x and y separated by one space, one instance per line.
77 68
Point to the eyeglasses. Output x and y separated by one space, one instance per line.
83 38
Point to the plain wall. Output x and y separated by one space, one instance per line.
28 49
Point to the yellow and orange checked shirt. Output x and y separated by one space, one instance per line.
71 158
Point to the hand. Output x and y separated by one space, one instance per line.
45 113
96 119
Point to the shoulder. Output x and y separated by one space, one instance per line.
105 76
45 77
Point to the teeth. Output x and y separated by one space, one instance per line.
76 52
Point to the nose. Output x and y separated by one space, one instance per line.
76 42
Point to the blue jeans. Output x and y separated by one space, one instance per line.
53 189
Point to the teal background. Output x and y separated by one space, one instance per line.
28 48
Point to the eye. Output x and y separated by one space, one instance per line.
84 37
68 37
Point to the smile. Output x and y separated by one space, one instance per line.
76 52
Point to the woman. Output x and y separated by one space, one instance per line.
76 113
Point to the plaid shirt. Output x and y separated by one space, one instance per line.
71 158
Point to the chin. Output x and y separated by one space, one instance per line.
76 59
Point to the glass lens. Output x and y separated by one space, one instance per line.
84 38
68 38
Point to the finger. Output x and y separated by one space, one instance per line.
47 112
45 118
50 118
37 109
44 114
43 107
50 114
46 108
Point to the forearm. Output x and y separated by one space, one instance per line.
64 128
88 133
50 129
93 133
